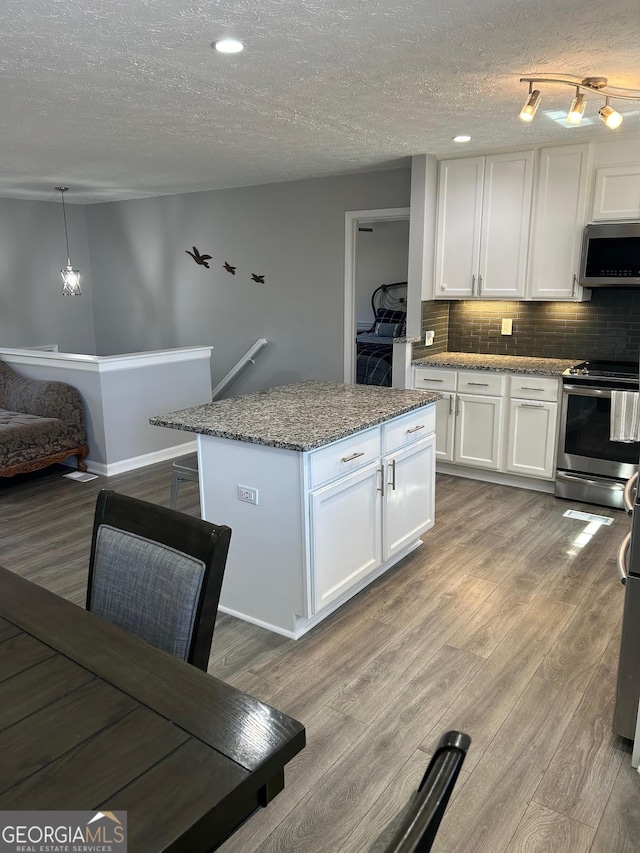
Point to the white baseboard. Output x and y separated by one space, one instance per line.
111 468
498 477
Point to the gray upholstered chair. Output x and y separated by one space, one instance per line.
157 573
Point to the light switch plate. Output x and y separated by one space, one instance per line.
507 326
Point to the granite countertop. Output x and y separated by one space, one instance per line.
503 363
301 416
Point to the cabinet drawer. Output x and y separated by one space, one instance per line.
480 382
534 388
408 428
344 456
434 379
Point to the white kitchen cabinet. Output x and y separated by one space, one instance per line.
484 212
478 431
532 426
445 427
617 193
346 533
560 215
531 438
409 495
359 521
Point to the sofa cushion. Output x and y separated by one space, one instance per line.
26 437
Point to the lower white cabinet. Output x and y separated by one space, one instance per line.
510 427
366 518
478 431
531 438
346 540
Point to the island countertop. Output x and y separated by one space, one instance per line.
499 363
301 416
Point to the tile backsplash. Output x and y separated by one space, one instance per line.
608 326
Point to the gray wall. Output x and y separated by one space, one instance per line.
33 310
149 294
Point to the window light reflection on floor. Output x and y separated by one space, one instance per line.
584 537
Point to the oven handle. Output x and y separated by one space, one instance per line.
621 558
581 391
628 503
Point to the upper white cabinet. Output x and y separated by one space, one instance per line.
484 210
617 193
558 222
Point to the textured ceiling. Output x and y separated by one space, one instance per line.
125 98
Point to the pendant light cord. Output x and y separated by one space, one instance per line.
66 236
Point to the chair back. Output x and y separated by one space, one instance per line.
157 573
414 829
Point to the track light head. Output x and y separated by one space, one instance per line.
609 116
530 105
576 110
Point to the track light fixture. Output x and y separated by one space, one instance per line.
70 277
600 85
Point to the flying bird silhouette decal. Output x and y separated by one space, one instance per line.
258 278
198 258
229 268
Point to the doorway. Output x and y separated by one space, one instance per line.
376 254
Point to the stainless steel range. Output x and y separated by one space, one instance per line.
589 466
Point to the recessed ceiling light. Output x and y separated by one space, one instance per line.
462 138
228 45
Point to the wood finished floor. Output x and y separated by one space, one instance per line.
505 624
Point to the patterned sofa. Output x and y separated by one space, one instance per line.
41 423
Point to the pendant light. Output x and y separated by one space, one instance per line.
576 110
531 104
70 277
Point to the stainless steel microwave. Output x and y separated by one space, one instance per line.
611 255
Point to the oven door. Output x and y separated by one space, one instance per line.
584 445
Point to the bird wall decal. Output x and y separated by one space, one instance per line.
229 268
198 258
258 278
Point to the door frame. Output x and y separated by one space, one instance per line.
352 218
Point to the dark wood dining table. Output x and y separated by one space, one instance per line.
92 718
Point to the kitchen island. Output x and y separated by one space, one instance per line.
325 486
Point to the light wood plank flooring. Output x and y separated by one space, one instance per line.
505 624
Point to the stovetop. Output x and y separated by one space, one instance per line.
603 369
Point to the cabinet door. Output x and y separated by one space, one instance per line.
531 443
617 194
409 503
478 432
506 216
445 423
458 228
345 533
560 216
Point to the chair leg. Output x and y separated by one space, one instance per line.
175 482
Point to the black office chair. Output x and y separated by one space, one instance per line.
414 829
157 573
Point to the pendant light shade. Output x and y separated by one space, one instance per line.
576 110
530 105
70 276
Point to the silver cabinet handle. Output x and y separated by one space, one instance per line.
381 486
457 405
533 405
621 558
479 284
432 380
481 384
530 388
628 502
393 475
573 286
352 457
416 428
473 285
451 404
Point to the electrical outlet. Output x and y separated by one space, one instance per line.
247 494
428 338
507 326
